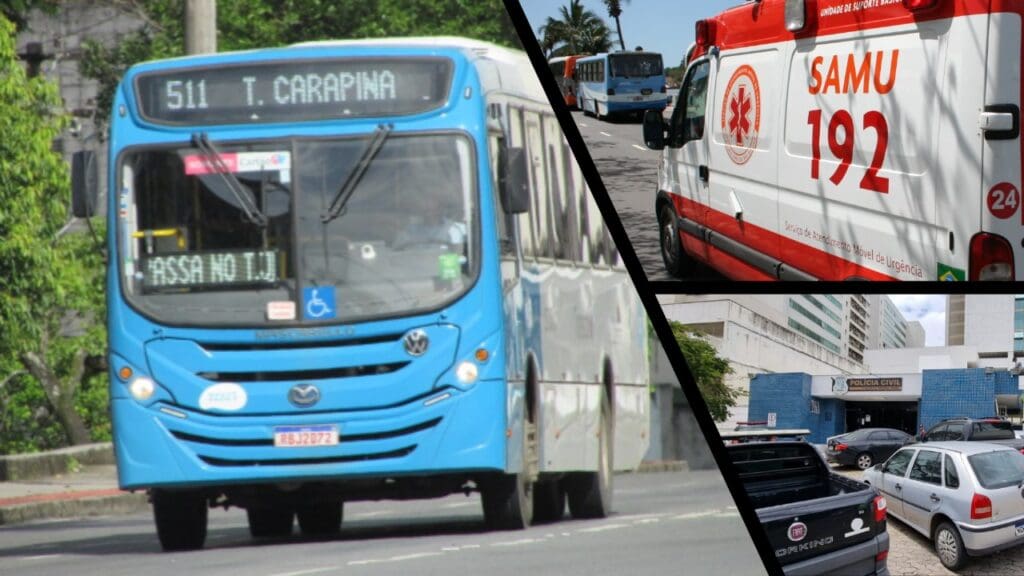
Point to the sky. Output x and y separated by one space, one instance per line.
929 310
664 26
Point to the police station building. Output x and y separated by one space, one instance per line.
830 405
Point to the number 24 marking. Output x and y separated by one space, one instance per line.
843 150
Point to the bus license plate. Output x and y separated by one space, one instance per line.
304 436
637 98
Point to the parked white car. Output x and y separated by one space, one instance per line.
966 496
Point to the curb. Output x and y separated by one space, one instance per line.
54 462
125 503
657 466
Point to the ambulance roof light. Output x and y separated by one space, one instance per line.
703 33
796 15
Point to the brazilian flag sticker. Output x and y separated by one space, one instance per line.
950 274
449 266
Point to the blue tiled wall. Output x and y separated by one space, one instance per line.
1006 383
831 420
951 393
788 395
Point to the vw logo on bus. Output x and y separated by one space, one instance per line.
304 395
416 342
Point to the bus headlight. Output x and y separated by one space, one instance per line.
142 388
467 372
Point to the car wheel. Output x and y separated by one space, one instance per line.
864 461
677 263
949 546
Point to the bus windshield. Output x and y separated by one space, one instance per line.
404 241
635 65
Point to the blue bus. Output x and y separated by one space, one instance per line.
621 82
360 270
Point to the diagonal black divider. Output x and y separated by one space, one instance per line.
643 286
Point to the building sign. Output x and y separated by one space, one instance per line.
874 384
839 385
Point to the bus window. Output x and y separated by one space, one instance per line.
541 201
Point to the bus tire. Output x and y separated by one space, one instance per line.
676 261
180 519
323 520
548 501
270 521
590 493
508 498
597 111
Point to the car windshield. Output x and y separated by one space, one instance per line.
635 65
993 431
404 242
998 469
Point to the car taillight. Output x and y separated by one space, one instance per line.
880 508
991 258
841 447
881 556
919 4
981 507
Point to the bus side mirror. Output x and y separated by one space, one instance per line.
654 130
84 184
515 188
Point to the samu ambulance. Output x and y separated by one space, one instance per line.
847 139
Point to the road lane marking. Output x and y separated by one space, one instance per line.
693 515
647 521
41 557
370 514
304 572
395 558
641 516
517 542
639 147
606 134
460 504
605 527
583 125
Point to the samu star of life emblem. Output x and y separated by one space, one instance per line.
741 114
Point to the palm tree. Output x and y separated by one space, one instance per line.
615 10
577 31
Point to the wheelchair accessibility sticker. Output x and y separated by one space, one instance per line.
318 303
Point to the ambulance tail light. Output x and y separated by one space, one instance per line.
991 258
796 15
915 5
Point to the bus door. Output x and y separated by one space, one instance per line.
687 169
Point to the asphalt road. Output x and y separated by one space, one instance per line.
664 523
630 173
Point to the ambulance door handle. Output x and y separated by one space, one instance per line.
703 172
1000 122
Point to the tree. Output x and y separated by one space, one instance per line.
16 11
577 31
248 24
615 10
708 370
51 297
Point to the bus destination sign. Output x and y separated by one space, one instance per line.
209 269
294 91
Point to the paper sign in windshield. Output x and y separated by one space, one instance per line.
238 162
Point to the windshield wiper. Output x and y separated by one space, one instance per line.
252 212
350 183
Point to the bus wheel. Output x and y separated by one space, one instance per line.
321 521
590 493
597 111
677 263
548 501
180 519
270 521
508 498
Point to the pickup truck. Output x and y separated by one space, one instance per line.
816 521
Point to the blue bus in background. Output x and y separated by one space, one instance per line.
621 82
360 270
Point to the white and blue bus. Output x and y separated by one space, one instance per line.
361 270
621 82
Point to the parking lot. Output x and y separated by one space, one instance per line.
912 554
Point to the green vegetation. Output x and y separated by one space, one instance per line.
615 10
52 386
577 31
709 371
248 24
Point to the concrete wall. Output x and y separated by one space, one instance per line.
989 322
910 360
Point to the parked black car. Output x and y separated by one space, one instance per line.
862 448
994 430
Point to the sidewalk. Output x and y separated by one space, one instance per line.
91 489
